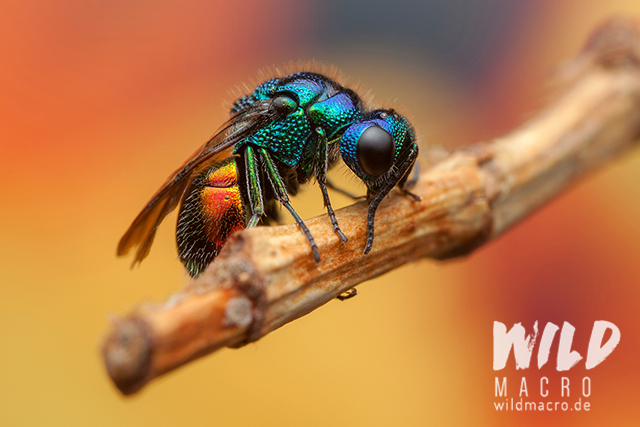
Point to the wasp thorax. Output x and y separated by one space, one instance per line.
375 151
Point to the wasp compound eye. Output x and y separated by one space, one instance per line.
284 105
375 151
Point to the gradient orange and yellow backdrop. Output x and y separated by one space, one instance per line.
100 101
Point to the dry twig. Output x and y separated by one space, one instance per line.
266 276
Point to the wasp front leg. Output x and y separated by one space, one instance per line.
395 175
408 183
282 196
321 177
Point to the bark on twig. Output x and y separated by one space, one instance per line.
266 276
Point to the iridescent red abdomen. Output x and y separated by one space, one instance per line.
212 210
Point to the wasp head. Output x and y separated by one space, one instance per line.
380 150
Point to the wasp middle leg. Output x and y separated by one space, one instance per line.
342 191
321 177
280 193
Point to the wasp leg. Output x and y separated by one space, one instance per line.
404 183
321 177
396 177
341 191
256 204
281 195
414 196
416 174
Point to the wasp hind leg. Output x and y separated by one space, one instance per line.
321 177
281 195
256 203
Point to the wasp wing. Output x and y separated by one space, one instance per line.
143 229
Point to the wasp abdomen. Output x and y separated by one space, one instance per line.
211 211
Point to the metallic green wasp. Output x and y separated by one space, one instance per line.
288 131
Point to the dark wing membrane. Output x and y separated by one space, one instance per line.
143 229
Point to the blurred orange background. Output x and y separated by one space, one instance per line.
100 101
